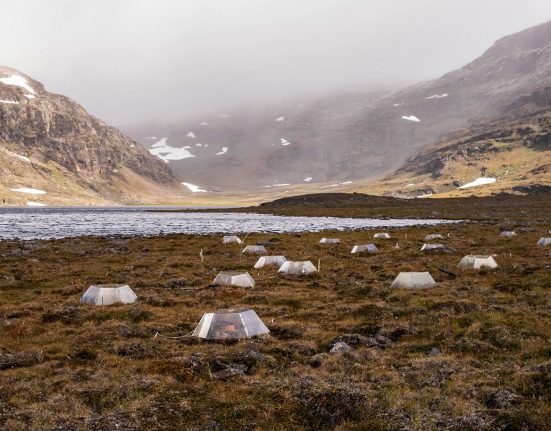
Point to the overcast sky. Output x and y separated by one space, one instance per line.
129 61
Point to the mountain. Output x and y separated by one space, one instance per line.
354 139
54 152
503 155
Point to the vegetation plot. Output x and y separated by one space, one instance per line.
346 352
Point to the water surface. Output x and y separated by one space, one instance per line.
34 223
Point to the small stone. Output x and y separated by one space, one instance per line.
372 342
215 426
228 373
382 340
502 399
340 347
434 351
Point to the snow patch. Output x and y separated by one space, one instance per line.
30 96
308 179
198 145
478 182
193 188
35 204
19 81
224 151
191 135
10 102
18 156
428 195
410 118
437 96
151 137
167 153
397 104
203 123
29 190
282 185
279 119
341 184
285 142
161 143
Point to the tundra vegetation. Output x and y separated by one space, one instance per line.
346 352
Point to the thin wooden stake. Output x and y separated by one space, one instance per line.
164 266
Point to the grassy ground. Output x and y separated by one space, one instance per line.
65 365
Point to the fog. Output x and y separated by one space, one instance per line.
130 61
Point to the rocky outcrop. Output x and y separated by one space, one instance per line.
48 128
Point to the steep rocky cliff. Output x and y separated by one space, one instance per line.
50 143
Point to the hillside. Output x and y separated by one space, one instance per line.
53 152
351 140
502 155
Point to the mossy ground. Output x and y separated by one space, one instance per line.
67 365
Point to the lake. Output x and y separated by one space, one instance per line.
42 223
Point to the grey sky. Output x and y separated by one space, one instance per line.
135 60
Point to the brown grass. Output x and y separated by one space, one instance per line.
75 366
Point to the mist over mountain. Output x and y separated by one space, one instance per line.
353 137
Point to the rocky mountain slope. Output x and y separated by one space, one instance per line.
353 139
497 156
53 152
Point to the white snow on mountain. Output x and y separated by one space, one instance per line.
279 119
198 145
30 96
478 182
282 185
29 190
308 179
285 142
18 156
224 151
151 137
193 188
161 143
18 81
203 123
341 184
10 102
437 96
411 118
397 104
191 135
35 204
167 153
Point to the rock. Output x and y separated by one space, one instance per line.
21 359
340 347
383 341
67 138
434 351
228 373
316 361
501 399
354 340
